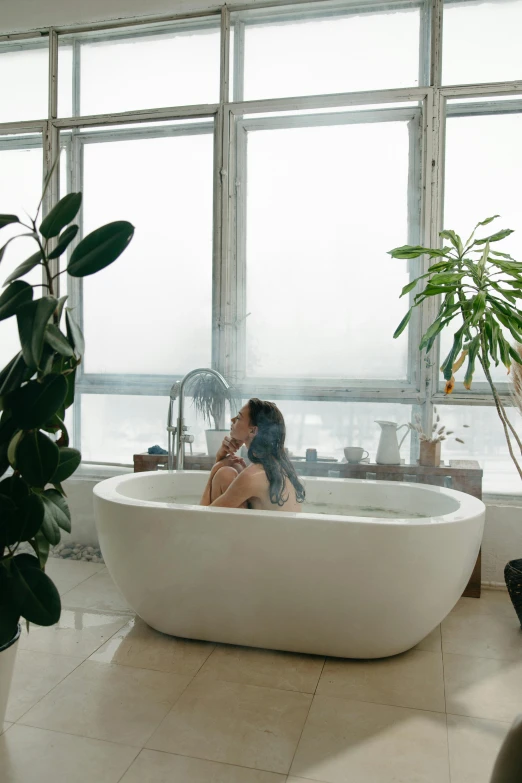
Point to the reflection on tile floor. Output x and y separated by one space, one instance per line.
102 697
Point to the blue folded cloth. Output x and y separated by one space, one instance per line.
156 450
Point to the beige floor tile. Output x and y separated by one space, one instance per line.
4 727
432 642
266 668
473 746
413 679
35 674
115 703
484 635
495 602
483 687
236 724
345 741
29 755
78 633
96 593
154 767
66 574
138 645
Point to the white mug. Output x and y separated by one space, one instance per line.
355 454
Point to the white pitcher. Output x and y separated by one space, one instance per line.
388 452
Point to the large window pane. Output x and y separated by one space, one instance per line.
484 441
150 312
140 70
322 295
23 79
483 173
309 55
482 41
20 191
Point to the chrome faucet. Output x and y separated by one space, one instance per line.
177 436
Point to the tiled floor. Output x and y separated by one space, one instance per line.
101 697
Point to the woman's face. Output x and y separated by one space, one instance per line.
241 428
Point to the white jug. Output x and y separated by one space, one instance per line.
388 451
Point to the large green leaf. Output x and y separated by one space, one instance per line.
57 508
473 349
60 215
414 251
64 240
36 402
34 594
74 333
478 307
16 294
432 331
13 375
409 287
454 238
403 324
37 458
50 527
447 365
59 308
494 237
69 461
7 430
100 248
41 547
32 319
5 220
58 340
25 267
71 379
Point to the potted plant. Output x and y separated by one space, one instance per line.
430 443
479 289
36 388
209 399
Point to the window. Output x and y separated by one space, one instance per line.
24 70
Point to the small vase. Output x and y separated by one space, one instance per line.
429 454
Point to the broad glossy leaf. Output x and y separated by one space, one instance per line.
453 238
58 340
5 220
495 237
32 319
472 355
13 375
11 449
69 462
16 294
447 365
515 355
37 458
56 506
71 380
42 547
59 307
409 287
64 240
34 594
503 347
403 324
35 403
25 267
50 527
74 333
100 248
479 305
432 331
443 278
60 215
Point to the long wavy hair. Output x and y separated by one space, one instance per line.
268 449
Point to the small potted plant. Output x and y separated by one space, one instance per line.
36 388
430 444
209 399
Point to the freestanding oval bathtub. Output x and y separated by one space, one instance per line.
356 584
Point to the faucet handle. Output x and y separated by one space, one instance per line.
188 438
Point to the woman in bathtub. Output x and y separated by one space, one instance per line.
270 483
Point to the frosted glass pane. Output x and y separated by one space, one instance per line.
146 71
481 42
65 80
484 153
484 442
150 312
24 77
330 426
365 51
322 293
20 191
115 427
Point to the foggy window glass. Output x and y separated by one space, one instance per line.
491 172
367 50
481 41
322 293
150 311
24 73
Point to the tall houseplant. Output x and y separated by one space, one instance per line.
36 388
209 398
479 288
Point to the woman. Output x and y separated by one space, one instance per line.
270 483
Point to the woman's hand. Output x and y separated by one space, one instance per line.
228 448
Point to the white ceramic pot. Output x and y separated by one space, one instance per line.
7 659
214 440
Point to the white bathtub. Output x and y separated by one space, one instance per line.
349 586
